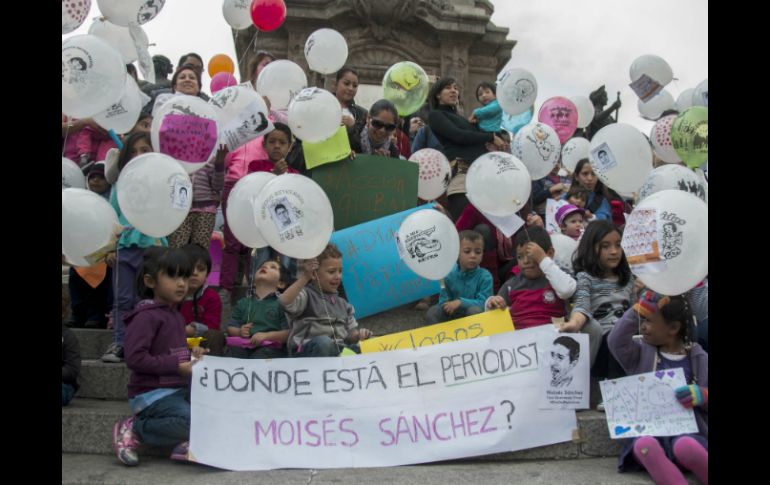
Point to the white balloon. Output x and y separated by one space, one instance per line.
673 177
92 76
89 223
428 243
73 13
585 110
564 248
655 67
576 149
280 81
660 137
680 222
242 115
124 12
498 183
186 129
434 174
537 146
700 95
516 90
237 13
684 100
314 115
326 51
655 107
116 36
71 175
241 208
150 194
122 116
629 158
294 216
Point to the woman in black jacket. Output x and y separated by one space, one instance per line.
463 142
353 116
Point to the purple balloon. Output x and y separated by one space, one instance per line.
222 80
560 114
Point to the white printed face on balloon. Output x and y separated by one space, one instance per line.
314 115
537 146
89 224
125 12
428 243
435 172
155 194
242 115
92 76
294 216
516 90
666 241
621 158
498 184
186 128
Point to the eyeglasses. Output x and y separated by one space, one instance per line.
377 124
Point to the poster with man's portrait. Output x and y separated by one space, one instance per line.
282 214
564 371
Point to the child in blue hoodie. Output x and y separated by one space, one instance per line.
490 116
157 355
467 287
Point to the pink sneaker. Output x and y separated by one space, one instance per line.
124 442
181 451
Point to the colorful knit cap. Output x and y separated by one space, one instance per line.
650 302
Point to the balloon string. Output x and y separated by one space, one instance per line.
246 51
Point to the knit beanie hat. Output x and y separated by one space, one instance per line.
565 210
650 302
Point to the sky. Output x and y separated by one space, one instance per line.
572 47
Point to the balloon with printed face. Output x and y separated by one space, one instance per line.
537 146
673 177
405 84
116 36
665 241
498 183
652 66
660 136
240 209
73 14
222 80
564 248
237 13
561 114
124 12
294 216
279 81
92 76
242 115
326 51
314 115
220 63
123 115
428 243
585 110
700 95
89 223
516 90
573 151
155 194
186 128
654 107
434 174
268 15
621 158
514 123
684 100
71 175
690 136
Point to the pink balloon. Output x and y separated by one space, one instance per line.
222 80
560 114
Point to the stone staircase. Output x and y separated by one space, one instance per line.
102 399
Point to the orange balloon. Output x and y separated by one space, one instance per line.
221 63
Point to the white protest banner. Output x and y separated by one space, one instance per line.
564 375
466 398
645 405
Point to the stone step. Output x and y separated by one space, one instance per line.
87 428
99 380
103 470
93 342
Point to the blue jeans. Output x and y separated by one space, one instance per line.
67 393
436 314
323 346
165 422
124 288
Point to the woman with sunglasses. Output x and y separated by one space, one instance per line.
463 142
375 137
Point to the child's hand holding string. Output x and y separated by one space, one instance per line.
308 267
